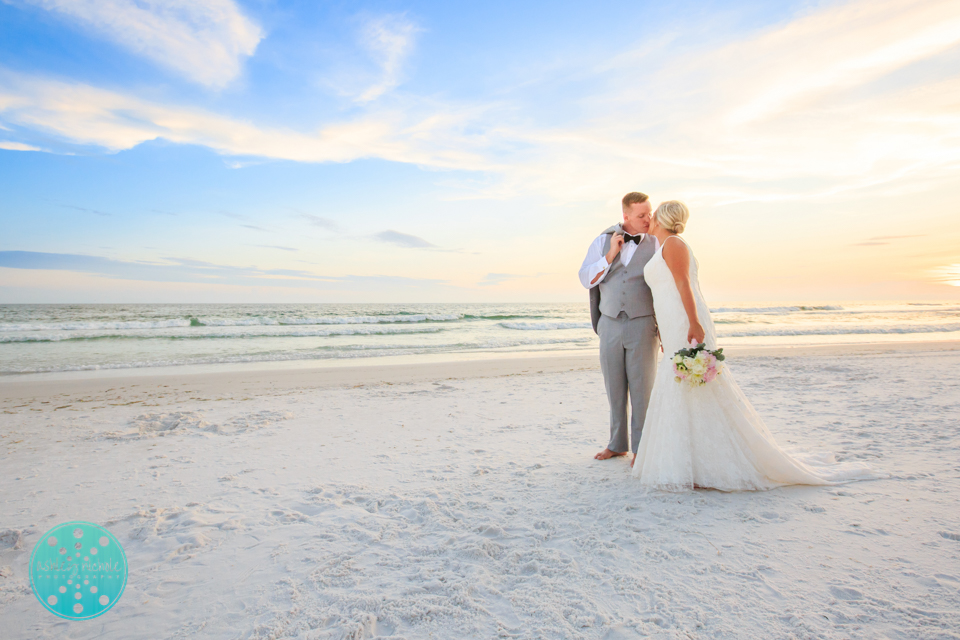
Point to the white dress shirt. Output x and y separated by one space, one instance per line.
596 260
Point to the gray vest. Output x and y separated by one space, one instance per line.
623 288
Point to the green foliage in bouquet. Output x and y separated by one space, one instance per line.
693 351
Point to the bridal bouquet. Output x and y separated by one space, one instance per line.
697 365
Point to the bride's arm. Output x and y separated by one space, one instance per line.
677 257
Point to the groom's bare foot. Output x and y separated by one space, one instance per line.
606 454
632 460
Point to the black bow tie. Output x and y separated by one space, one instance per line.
629 238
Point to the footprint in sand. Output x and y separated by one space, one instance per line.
845 593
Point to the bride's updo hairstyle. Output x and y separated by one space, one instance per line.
672 215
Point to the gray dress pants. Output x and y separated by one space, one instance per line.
628 359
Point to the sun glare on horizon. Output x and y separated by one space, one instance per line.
949 274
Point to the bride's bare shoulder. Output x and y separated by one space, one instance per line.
675 251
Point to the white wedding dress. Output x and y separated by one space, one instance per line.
710 436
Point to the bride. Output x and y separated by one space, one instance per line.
708 436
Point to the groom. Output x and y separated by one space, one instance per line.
621 308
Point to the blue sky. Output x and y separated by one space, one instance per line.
269 151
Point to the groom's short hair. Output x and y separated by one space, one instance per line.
634 197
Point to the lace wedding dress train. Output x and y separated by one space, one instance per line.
711 436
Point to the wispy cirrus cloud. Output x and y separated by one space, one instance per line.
843 46
808 110
388 40
17 146
205 42
403 240
318 221
169 270
948 274
87 115
882 240
173 269
244 221
95 212
275 246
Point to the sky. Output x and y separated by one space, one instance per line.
265 151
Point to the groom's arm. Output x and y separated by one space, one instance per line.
595 264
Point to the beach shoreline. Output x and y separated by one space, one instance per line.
255 378
120 341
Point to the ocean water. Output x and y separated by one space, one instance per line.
53 338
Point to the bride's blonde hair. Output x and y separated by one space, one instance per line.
672 215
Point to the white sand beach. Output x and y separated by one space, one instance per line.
460 500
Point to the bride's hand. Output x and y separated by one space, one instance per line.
696 333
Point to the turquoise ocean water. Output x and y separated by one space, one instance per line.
52 338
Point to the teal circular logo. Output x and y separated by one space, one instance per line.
78 570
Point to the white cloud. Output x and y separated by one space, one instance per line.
17 146
206 42
91 116
847 46
806 110
388 40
